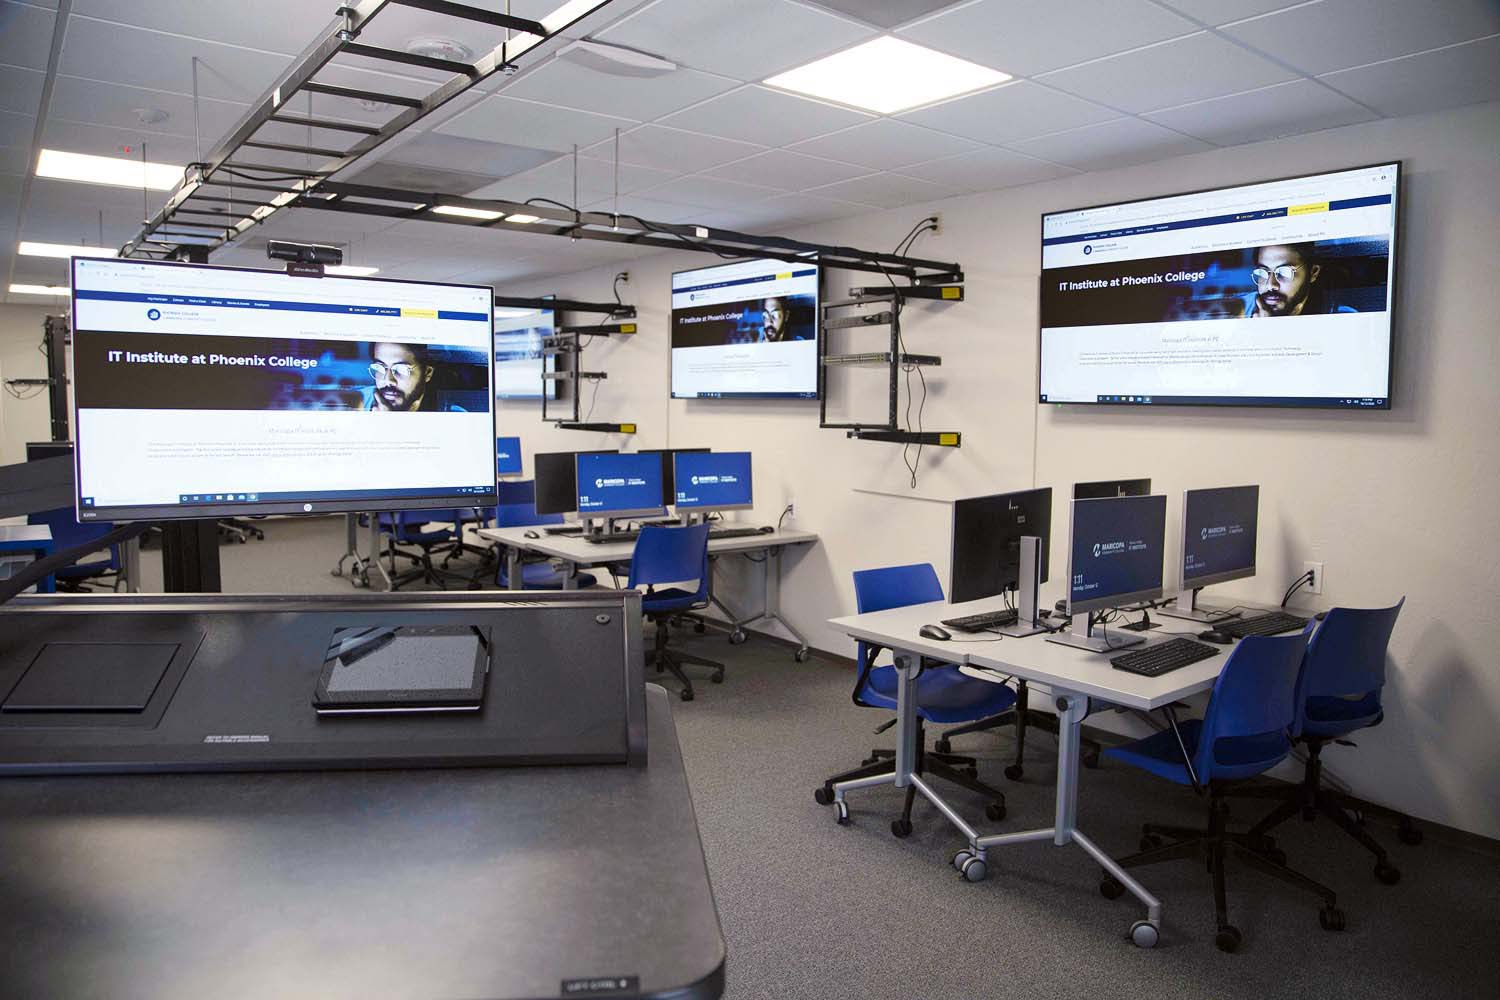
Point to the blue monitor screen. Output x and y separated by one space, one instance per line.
508 456
713 480
614 484
1116 547
1218 534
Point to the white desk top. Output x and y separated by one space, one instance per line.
1034 659
576 550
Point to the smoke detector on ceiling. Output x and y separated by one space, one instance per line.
440 48
150 116
616 60
372 106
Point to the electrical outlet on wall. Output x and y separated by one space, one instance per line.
791 508
1315 585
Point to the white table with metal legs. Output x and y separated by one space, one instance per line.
1074 676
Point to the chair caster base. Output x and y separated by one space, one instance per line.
718 677
1387 873
970 865
901 828
1331 918
737 637
1228 939
1014 772
1112 888
686 694
802 655
841 813
1409 833
995 811
823 795
943 746
1144 934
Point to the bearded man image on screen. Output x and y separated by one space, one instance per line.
402 377
773 320
1289 281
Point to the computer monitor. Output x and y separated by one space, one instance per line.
615 485
1111 488
507 456
520 358
556 475
1218 545
718 480
987 534
205 392
668 463
1115 555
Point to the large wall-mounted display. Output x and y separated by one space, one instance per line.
202 391
519 361
1271 294
746 330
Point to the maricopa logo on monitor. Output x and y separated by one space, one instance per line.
695 480
1096 550
1204 534
598 484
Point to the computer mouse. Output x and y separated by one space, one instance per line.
1215 636
532 534
1321 615
935 632
766 529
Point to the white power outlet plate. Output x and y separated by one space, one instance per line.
1316 569
791 507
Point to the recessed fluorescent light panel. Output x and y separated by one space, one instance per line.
39 289
887 75
111 170
467 213
28 249
523 220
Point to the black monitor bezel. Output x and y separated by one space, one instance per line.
345 505
1223 576
1045 534
1135 488
1289 404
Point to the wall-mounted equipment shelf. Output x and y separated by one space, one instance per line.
569 340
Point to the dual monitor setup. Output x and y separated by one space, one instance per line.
1116 550
610 485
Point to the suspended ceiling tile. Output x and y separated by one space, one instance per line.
570 85
1285 109
1045 36
744 39
709 192
790 171
472 156
885 144
528 123
554 180
25 35
107 140
651 209
1213 12
99 50
987 170
673 149
886 13
765 116
1118 143
15 161
21 89
1445 78
1011 111
282 26
886 190
16 129
792 210
1195 68
120 106
1338 34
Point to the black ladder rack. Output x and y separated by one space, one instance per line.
568 340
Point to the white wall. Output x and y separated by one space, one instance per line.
1397 503
22 420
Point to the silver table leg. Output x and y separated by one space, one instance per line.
771 602
514 568
359 571
374 562
130 555
908 665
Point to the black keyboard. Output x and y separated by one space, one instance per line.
982 622
613 536
564 529
1153 661
1268 624
735 532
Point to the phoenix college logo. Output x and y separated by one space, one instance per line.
153 314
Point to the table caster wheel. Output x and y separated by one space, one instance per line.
823 795
1388 873
943 745
1150 842
718 677
737 637
686 694
336 571
1091 759
802 655
1409 833
973 869
995 811
1331 918
1111 888
1228 938
901 828
960 858
700 628
1014 772
972 771
1143 934
841 812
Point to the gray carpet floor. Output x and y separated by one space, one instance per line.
812 909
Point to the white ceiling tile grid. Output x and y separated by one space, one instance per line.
764 116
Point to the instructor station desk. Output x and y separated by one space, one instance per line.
510 883
1074 676
576 552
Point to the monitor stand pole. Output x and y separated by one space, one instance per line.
190 557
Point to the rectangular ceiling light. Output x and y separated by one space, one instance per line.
887 75
524 220
467 213
112 170
39 289
350 271
29 249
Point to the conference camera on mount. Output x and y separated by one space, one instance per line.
305 259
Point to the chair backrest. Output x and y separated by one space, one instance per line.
671 555
406 523
896 587
1346 655
517 506
1247 727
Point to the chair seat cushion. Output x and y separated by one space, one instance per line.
943 694
1328 717
669 599
543 576
1234 759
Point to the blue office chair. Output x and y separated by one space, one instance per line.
1338 693
943 694
67 533
673 555
517 509
410 538
1244 733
